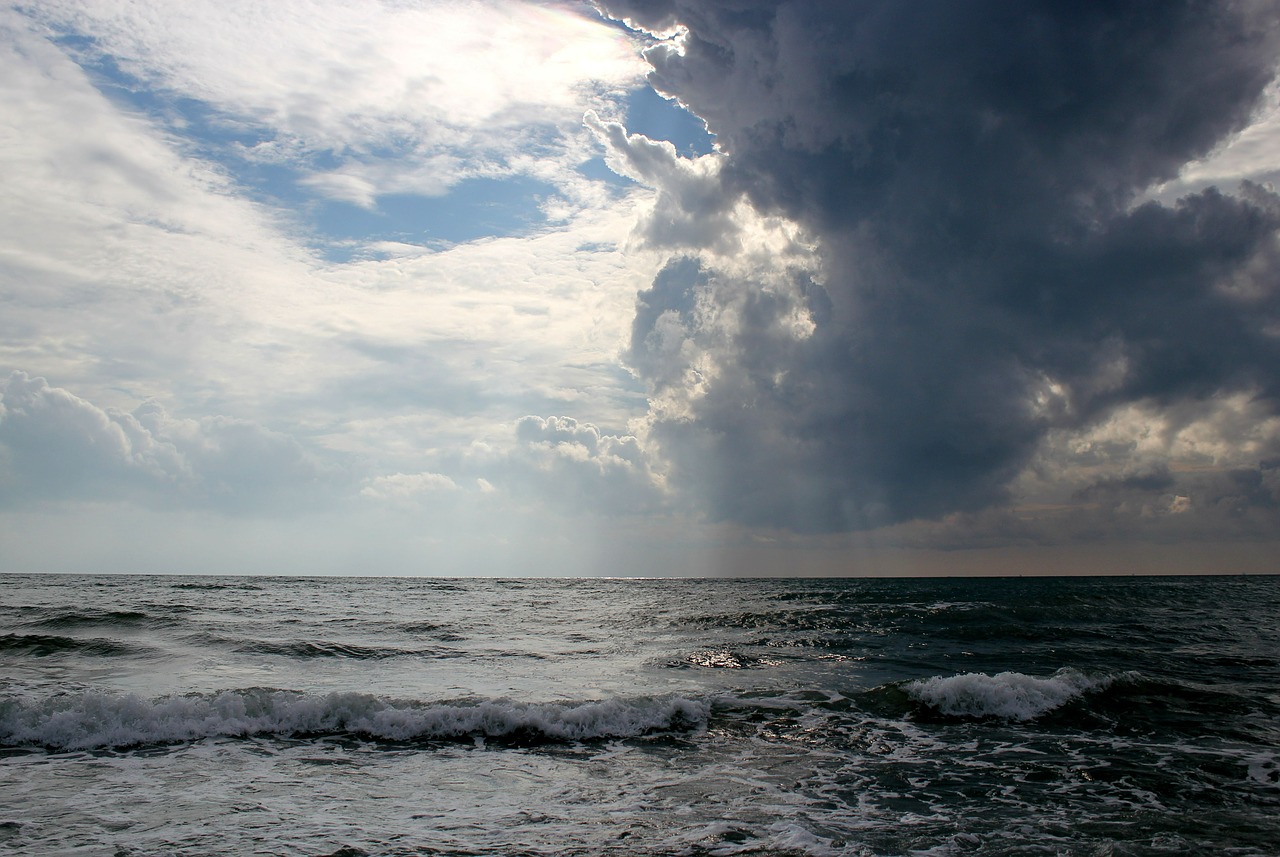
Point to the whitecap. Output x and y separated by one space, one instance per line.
97 720
1006 695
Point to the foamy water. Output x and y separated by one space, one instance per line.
94 720
1006 696
390 716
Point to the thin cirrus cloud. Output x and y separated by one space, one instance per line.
366 99
195 281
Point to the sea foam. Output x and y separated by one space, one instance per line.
96 720
1006 695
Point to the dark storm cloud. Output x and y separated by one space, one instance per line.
971 173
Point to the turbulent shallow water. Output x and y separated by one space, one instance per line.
192 716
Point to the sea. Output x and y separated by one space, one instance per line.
347 717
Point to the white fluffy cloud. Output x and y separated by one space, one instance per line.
208 370
126 263
441 91
405 486
133 270
55 445
576 466
692 210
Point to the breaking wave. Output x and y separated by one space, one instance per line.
1004 696
97 721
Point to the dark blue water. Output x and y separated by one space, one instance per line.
177 715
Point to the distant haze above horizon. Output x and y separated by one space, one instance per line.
639 287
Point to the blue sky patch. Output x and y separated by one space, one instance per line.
474 208
658 118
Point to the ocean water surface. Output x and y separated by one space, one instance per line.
401 716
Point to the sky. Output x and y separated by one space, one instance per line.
639 287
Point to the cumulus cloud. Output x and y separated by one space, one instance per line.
57 446
691 208
1195 467
985 278
576 466
404 486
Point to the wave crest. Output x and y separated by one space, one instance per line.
45 645
1005 696
97 720
331 649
